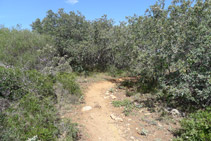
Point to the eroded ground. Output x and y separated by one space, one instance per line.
99 120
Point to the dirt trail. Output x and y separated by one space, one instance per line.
104 122
97 121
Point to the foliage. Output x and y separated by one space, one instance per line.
31 98
31 116
16 83
168 47
19 47
11 84
30 109
130 93
71 130
68 82
174 51
88 45
197 127
127 104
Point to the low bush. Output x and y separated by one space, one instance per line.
71 131
197 127
19 47
68 82
30 117
14 83
39 83
11 84
127 104
130 93
30 111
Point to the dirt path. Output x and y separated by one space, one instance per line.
97 121
104 122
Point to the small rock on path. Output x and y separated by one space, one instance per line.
86 108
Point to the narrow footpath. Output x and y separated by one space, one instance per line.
97 120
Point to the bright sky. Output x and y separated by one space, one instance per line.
24 12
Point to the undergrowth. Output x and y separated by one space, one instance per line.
30 105
197 127
127 104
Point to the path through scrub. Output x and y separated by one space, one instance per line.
97 121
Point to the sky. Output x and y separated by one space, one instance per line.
24 12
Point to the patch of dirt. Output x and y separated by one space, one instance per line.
104 122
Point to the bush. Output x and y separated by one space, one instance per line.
11 84
174 51
127 104
39 83
30 100
19 47
30 117
197 127
130 93
14 84
70 130
68 82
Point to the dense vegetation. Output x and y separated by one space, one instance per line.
27 107
197 127
168 47
28 96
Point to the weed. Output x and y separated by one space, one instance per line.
70 131
127 104
68 82
111 90
130 93
143 132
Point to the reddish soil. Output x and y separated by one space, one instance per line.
97 125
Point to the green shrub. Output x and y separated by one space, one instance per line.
19 47
14 83
127 104
130 93
197 127
71 131
128 83
115 72
68 82
12 86
147 84
39 83
30 117
31 111
174 50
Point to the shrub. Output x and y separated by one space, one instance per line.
29 117
68 82
11 84
30 111
197 127
19 47
174 50
127 104
14 83
39 83
130 93
71 131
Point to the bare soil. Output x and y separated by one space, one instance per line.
98 125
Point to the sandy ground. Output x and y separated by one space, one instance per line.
97 121
96 124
